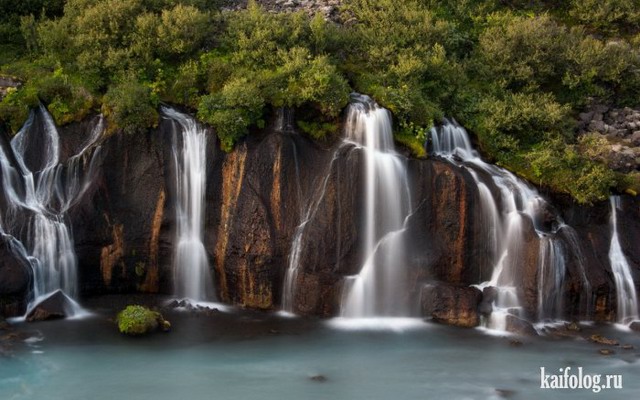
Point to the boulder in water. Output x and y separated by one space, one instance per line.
635 326
58 305
451 305
520 326
318 378
137 320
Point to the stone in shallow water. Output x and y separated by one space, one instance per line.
573 326
319 378
603 340
136 320
635 326
606 352
520 326
505 393
56 306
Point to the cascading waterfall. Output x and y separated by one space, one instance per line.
39 194
505 228
191 265
378 289
626 297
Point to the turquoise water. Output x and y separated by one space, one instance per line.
253 356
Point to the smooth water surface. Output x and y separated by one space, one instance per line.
256 356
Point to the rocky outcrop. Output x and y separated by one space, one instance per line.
277 192
123 226
7 84
329 9
617 135
451 305
15 278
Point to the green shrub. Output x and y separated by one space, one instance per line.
518 121
414 144
137 320
15 107
131 107
318 130
564 169
608 16
233 110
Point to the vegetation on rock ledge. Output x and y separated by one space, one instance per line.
516 73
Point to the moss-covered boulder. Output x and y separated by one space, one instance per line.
137 320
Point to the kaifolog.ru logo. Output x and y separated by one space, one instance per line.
567 379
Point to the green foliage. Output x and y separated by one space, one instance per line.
318 130
413 137
130 107
515 72
608 16
15 107
268 59
533 54
398 53
413 143
519 120
232 110
553 162
137 320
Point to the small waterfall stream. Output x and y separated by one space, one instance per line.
191 265
504 218
626 296
38 194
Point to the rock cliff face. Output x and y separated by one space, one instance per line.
258 195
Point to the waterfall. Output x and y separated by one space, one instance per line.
503 219
626 297
191 264
39 191
379 289
551 276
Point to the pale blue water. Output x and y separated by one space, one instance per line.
265 357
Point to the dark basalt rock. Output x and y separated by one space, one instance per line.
489 295
319 378
15 279
56 306
257 196
451 305
520 327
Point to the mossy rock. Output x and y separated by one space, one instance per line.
137 320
